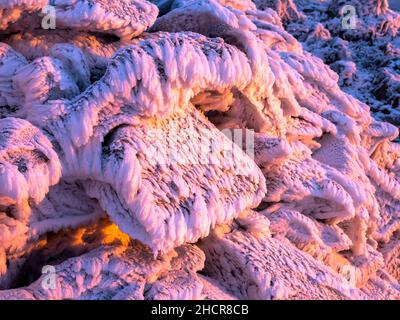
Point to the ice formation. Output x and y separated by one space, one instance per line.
366 55
195 149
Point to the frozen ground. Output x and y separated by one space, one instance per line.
394 5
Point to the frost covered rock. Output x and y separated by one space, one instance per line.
29 166
20 13
286 9
11 61
118 272
361 46
118 152
123 18
118 146
318 135
266 268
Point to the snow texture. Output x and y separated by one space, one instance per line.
120 164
